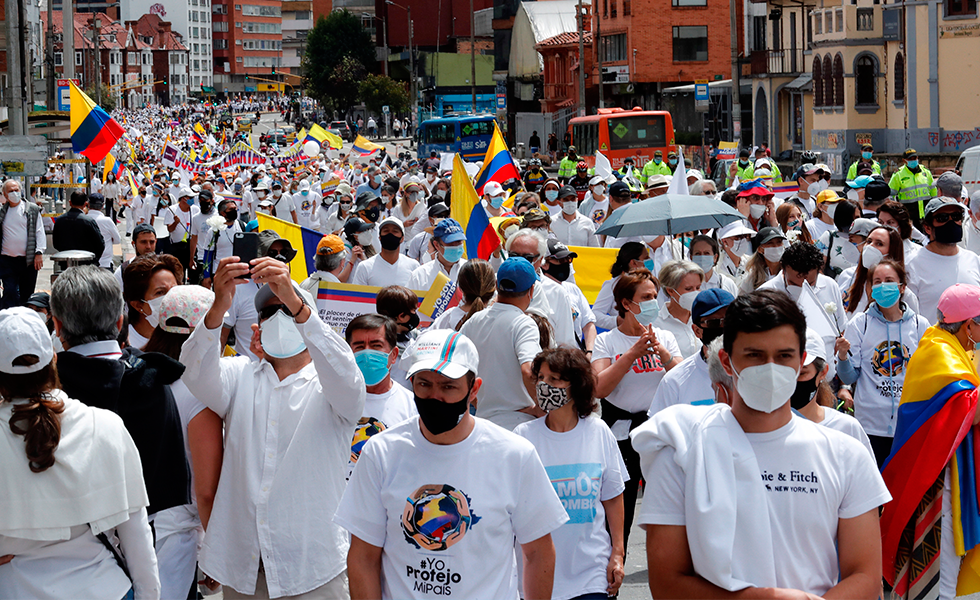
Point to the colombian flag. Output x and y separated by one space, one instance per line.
498 165
198 133
320 135
93 131
362 147
481 237
111 166
935 428
329 186
303 240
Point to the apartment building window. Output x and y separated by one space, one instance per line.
613 48
689 2
78 59
817 22
221 26
690 43
131 59
759 33
960 8
58 59
112 58
866 80
838 81
146 58
254 10
612 10
828 21
865 19
817 82
828 81
627 8
219 9
605 8
899 78
839 15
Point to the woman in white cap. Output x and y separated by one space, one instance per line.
71 475
178 530
736 245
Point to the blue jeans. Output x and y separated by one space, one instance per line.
19 280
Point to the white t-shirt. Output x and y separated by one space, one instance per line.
199 228
181 233
687 342
283 205
687 383
224 245
378 272
719 281
838 421
930 274
586 469
506 338
447 529
598 211
636 390
135 339
449 319
814 477
842 253
306 208
817 228
381 412
424 276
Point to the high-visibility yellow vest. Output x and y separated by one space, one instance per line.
909 187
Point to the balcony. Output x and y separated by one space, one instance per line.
777 62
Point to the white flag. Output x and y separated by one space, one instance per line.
603 168
678 183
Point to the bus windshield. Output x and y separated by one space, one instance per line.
626 133
473 128
440 133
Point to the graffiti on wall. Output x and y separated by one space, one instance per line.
953 141
827 139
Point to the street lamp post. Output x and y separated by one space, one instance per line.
384 34
411 61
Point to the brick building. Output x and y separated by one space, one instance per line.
247 43
560 75
171 59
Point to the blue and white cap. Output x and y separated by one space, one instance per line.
444 351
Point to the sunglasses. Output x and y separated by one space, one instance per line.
270 310
941 218
713 323
528 257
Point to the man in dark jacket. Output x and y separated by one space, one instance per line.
87 306
75 230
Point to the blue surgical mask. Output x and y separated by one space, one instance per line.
648 264
377 179
913 164
886 294
452 253
551 195
191 200
649 311
657 161
305 192
705 261
373 365
673 161
497 201
866 155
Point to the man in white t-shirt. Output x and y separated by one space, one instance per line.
941 263
448 238
425 518
373 338
509 341
390 266
688 382
283 203
110 233
178 220
306 202
799 511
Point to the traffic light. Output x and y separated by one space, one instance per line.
273 70
164 80
246 76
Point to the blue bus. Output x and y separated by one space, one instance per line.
469 135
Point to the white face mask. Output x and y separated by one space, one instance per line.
280 336
705 261
741 247
853 195
686 301
830 209
766 387
773 254
441 193
871 256
849 252
599 190
816 187
364 239
794 292
13 198
569 208
154 317
757 210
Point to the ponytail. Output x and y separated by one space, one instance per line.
38 419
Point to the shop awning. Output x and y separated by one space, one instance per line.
803 83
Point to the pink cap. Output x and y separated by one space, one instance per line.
960 302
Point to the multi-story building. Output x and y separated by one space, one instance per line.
297 21
192 20
171 58
247 46
895 75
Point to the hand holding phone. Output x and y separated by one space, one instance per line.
245 245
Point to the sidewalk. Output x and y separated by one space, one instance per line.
120 252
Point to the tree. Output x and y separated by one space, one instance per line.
335 37
380 90
345 82
108 100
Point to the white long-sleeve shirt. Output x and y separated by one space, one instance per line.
287 444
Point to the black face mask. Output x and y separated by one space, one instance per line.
413 321
804 393
440 417
231 215
206 207
372 214
950 233
390 241
710 334
559 271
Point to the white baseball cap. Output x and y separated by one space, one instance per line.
815 347
734 229
493 188
23 333
444 351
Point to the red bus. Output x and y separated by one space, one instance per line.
619 133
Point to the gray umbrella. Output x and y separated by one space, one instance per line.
668 215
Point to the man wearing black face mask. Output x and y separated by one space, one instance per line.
390 266
558 268
418 460
805 400
689 382
942 262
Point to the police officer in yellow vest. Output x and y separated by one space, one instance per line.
654 167
867 154
761 156
566 168
741 168
913 185
628 164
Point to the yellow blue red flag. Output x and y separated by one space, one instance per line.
363 147
498 164
93 131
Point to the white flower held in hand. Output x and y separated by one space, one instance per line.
217 223
830 307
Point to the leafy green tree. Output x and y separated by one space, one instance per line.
345 82
335 37
108 102
379 90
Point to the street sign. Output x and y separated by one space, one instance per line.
385 109
701 89
64 93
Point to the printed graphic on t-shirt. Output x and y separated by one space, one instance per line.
436 517
889 358
598 215
367 427
306 205
793 482
648 363
578 489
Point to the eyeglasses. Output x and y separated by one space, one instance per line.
942 218
713 324
528 257
270 311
